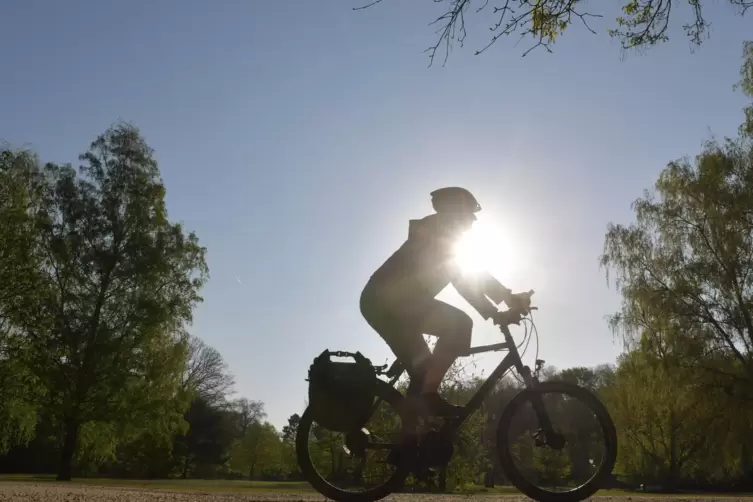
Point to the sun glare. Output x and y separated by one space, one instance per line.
484 248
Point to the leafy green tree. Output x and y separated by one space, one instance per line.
103 332
19 197
206 444
505 390
258 452
686 263
553 468
595 379
289 431
641 23
663 414
289 458
683 268
470 456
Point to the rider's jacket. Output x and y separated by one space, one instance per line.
423 266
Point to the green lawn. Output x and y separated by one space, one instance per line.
222 485
192 485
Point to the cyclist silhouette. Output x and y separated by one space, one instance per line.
399 300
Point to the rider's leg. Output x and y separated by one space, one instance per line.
453 328
402 326
399 328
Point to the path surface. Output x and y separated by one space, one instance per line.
47 492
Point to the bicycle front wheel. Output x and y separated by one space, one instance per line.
556 442
359 466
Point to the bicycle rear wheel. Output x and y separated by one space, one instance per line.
553 452
344 466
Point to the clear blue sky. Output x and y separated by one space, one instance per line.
297 139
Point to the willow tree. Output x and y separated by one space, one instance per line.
684 269
686 262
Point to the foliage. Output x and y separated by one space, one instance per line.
684 270
101 331
246 413
746 84
641 24
258 451
206 442
19 193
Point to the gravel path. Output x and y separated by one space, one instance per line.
30 492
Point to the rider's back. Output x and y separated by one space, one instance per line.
421 267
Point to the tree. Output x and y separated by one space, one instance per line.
20 190
663 413
206 373
207 442
103 332
289 457
643 23
246 413
595 379
685 267
746 84
259 451
19 194
470 456
289 431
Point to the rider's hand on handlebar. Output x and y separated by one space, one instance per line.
520 302
506 317
520 305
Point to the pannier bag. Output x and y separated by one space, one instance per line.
341 394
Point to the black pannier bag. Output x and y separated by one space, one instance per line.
341 394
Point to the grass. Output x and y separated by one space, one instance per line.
509 490
241 486
189 485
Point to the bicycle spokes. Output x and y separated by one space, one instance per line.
561 453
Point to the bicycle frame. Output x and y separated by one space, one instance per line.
511 360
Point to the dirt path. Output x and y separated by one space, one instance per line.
30 492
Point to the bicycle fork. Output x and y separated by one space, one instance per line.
545 435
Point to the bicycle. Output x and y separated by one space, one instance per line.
417 453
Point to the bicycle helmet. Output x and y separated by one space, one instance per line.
454 200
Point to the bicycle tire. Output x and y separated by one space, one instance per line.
383 391
586 397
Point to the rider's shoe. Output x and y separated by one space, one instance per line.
431 403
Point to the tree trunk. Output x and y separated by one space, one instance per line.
65 469
673 464
489 478
184 474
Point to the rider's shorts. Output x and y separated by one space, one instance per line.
402 325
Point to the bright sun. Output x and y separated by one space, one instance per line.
483 248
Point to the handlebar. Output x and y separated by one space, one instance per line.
514 315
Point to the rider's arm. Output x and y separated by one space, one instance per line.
493 289
473 292
479 288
